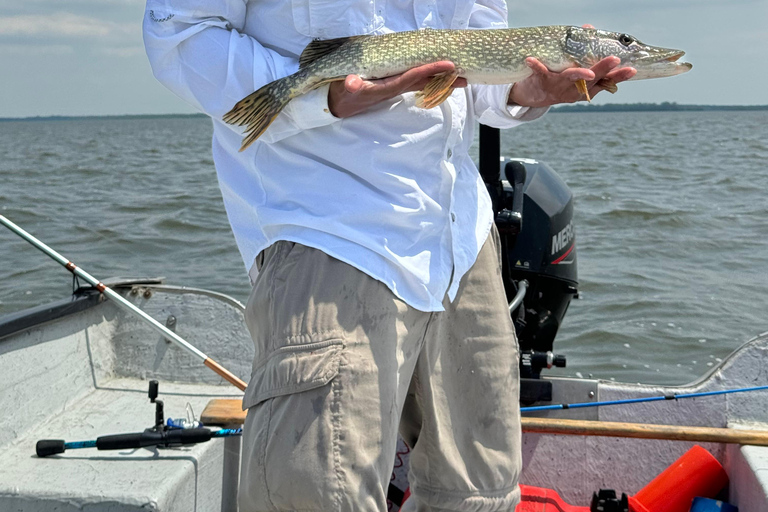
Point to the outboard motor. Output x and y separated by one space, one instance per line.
534 215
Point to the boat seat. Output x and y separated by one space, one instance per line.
224 412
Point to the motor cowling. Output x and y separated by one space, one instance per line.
540 248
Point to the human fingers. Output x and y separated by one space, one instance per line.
536 66
604 66
416 79
571 74
356 95
430 69
353 84
574 74
621 74
609 82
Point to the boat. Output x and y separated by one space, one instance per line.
81 368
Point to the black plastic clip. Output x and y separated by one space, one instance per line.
605 501
159 408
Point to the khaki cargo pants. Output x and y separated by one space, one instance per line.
341 364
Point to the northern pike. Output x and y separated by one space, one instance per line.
488 56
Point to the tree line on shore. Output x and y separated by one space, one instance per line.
575 107
650 107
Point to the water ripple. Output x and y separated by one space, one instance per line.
670 224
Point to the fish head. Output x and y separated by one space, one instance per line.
585 47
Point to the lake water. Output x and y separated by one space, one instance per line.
671 221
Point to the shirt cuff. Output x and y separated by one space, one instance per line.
520 112
311 110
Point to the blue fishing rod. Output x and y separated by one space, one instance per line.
162 438
173 433
660 398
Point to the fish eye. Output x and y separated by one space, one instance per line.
626 39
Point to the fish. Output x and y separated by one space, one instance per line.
482 56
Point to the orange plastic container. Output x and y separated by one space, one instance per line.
696 473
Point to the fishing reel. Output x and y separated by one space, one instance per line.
163 434
173 423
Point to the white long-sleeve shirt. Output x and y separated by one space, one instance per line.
391 191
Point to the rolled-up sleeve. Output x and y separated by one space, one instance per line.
490 102
196 49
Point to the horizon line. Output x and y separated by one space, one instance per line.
580 106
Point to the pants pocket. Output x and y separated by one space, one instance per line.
291 446
293 369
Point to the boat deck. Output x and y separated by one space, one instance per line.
80 370
193 478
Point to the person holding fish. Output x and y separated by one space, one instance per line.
377 302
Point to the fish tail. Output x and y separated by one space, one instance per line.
259 109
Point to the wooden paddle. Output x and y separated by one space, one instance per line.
645 431
228 412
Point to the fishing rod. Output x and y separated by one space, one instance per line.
659 398
174 432
165 439
124 304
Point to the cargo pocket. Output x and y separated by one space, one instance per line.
327 19
292 436
293 369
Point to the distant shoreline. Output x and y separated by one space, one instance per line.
565 109
651 107
115 117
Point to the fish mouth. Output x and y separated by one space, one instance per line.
675 57
680 66
658 64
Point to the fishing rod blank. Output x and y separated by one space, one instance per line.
124 304
164 438
582 405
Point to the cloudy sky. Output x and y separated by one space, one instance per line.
85 57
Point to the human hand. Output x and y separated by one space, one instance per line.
355 95
544 88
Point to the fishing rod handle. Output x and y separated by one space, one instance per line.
46 447
150 438
225 374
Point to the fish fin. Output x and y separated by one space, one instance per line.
609 85
259 109
581 85
322 47
437 90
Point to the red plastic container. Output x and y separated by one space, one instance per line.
537 499
696 473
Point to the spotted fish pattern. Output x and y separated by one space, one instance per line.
491 56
